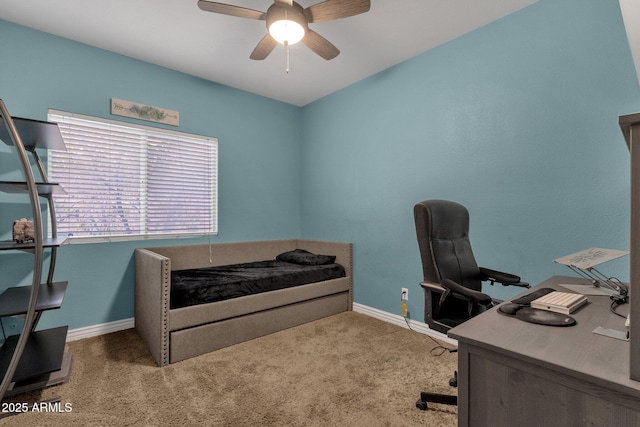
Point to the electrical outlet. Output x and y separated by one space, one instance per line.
404 296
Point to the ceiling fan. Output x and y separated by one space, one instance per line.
288 22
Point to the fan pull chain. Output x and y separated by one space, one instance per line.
286 44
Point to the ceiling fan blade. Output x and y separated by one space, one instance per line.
336 9
320 45
285 2
227 9
264 48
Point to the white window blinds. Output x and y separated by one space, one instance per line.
130 180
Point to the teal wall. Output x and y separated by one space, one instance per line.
516 120
259 157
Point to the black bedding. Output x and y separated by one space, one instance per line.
204 285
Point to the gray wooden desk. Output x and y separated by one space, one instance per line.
513 373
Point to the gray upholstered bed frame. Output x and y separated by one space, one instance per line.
177 334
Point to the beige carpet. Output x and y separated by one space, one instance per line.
345 370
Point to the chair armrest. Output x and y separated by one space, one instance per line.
504 279
432 286
473 296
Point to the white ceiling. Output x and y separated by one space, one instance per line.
178 35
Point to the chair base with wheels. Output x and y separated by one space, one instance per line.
426 397
445 399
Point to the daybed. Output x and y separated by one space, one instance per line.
174 334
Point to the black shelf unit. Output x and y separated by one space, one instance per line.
43 188
10 245
49 342
15 301
33 134
34 358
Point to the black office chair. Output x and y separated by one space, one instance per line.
452 279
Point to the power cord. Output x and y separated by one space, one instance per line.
439 348
617 301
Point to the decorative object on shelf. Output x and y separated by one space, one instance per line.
124 108
23 231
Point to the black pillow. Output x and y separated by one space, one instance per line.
302 257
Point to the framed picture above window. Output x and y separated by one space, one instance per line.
127 181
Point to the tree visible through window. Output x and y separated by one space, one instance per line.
129 180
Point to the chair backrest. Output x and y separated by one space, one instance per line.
442 229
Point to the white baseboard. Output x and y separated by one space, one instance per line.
119 325
104 328
400 321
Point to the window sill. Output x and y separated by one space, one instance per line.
110 239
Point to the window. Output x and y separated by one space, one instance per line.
126 181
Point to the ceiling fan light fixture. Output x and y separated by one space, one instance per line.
286 24
286 31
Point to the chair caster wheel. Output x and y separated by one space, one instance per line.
453 382
422 405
